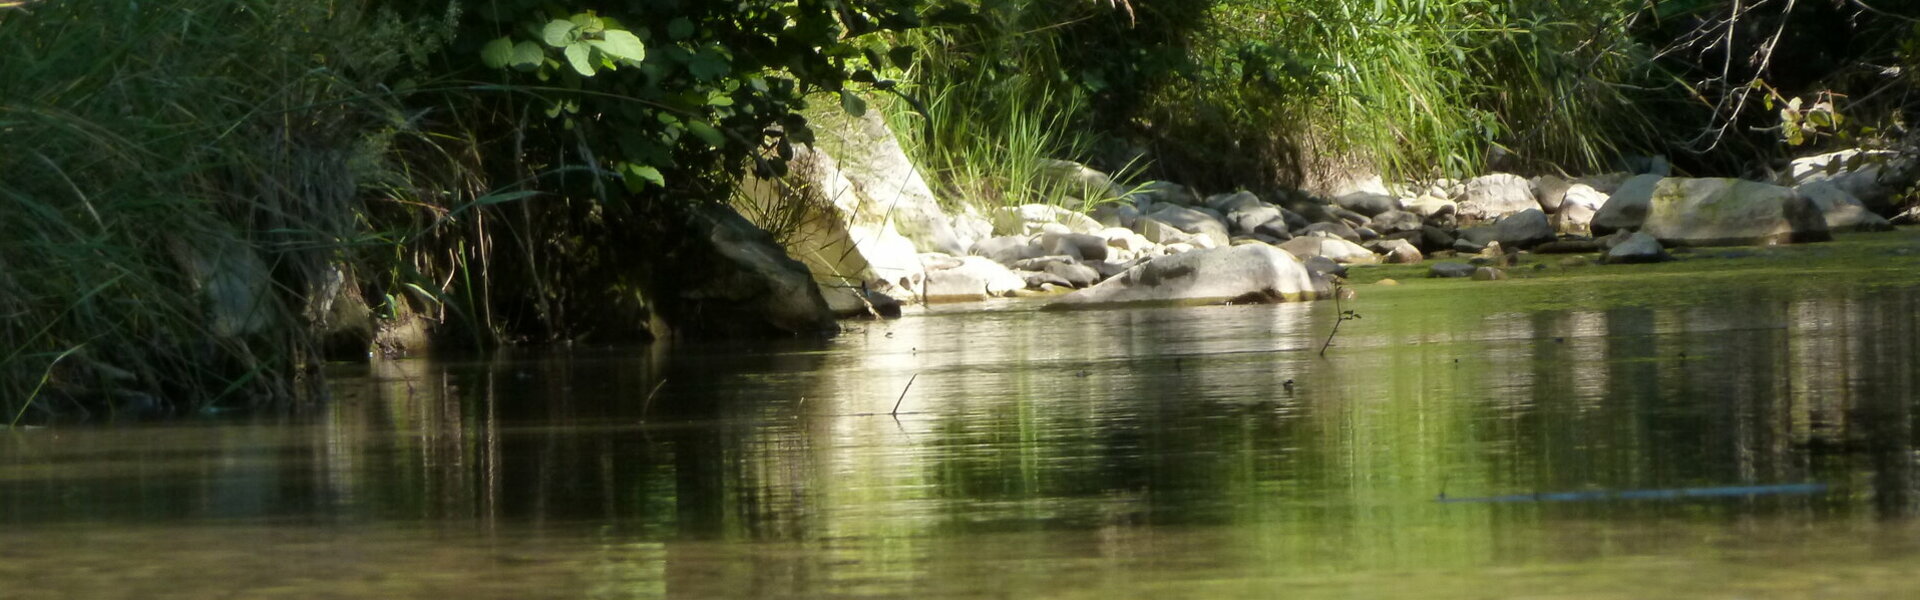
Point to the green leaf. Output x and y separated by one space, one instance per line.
498 53
853 104
706 133
647 174
902 56
708 65
680 29
621 45
577 55
527 55
558 33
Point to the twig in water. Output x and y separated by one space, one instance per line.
903 395
648 403
1344 316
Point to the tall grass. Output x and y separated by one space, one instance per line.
181 182
994 108
1258 93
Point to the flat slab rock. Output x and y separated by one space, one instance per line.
1245 273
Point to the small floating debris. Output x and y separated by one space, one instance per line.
1792 489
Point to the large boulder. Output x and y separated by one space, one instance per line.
844 236
745 283
1245 273
1841 210
1872 176
1719 212
1524 229
969 278
1335 249
1627 207
869 156
1493 196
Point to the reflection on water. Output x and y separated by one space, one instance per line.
1141 453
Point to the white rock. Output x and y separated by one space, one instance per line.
1253 272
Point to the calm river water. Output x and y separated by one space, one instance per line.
1158 453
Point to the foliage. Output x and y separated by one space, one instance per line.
195 188
1230 93
179 176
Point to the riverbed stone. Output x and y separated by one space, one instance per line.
1429 207
747 284
1395 221
1322 265
1524 229
1075 275
1573 219
1007 249
1115 214
1870 176
1084 246
1248 273
1395 251
975 278
1638 247
1247 219
1628 206
1550 191
1368 203
1168 192
1189 221
1841 210
1490 197
1332 230
1720 212
1335 249
1228 203
1450 269
1028 219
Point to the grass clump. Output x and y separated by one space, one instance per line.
182 182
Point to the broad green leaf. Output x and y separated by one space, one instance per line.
647 174
527 55
680 29
498 53
706 133
621 45
558 33
588 21
577 55
853 104
708 65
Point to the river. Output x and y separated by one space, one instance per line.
1551 437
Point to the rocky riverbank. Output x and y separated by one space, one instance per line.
875 238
